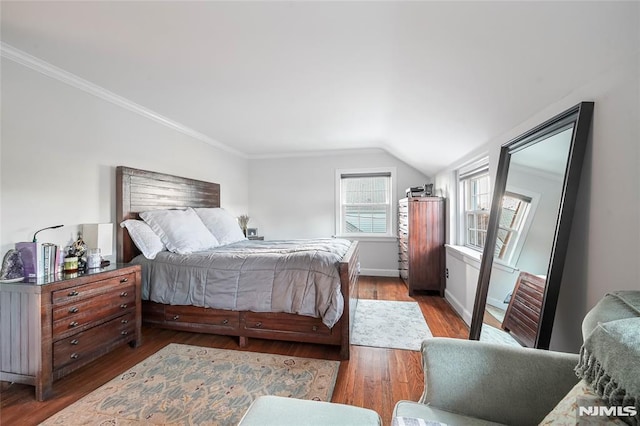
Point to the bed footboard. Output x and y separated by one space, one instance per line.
349 275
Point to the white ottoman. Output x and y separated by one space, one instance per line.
280 411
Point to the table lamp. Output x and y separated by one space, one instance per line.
99 239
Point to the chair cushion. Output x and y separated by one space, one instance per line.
280 411
428 413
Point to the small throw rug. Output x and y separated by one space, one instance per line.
191 385
491 334
389 324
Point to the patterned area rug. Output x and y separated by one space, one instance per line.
389 324
182 384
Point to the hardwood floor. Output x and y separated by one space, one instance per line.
374 378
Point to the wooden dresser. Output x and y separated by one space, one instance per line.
54 325
421 237
522 318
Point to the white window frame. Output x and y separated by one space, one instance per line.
391 219
473 170
513 252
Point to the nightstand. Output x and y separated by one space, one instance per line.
255 237
54 325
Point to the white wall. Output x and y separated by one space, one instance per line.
462 276
295 198
604 247
60 147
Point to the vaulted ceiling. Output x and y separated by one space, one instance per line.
426 81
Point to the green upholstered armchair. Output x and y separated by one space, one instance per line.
477 383
469 382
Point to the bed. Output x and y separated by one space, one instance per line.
139 190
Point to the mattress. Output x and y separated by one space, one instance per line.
293 276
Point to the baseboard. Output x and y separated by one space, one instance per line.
379 272
458 307
497 303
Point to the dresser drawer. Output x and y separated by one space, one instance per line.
284 322
79 347
80 292
71 317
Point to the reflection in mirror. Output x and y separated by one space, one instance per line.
531 212
526 228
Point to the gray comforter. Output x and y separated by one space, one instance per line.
293 276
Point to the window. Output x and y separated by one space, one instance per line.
365 203
475 190
513 216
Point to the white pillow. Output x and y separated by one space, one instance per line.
144 238
221 224
181 231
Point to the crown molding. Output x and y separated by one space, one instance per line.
18 56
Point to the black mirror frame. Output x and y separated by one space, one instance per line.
581 115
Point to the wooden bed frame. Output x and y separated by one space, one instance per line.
140 190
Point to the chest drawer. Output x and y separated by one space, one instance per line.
96 288
71 317
79 347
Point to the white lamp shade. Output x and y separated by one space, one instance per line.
99 235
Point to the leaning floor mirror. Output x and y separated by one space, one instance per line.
527 235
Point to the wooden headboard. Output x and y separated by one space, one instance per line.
141 190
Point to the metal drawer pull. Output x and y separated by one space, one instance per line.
314 328
124 294
124 280
74 356
73 293
123 306
176 317
73 324
225 322
258 324
124 332
73 310
74 342
124 321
